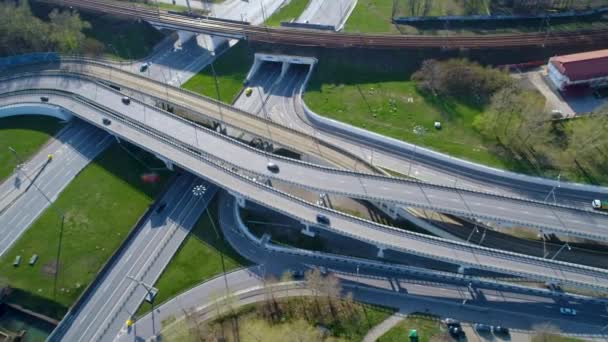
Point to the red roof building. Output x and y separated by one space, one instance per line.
587 68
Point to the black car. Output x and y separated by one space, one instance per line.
322 219
272 167
455 331
498 330
482 327
44 98
297 274
160 208
106 121
126 100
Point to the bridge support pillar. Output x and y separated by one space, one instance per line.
220 128
306 231
211 43
265 239
240 200
381 252
387 208
168 163
284 69
183 37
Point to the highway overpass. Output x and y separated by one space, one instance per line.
226 174
346 151
559 219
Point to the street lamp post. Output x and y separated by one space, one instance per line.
560 249
56 210
151 292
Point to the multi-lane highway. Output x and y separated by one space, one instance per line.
427 165
345 150
223 173
570 221
116 296
32 187
516 308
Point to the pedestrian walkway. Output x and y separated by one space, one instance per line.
386 325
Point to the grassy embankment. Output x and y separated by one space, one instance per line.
376 16
26 134
382 98
100 206
427 327
289 11
231 69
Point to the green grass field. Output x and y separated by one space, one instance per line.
378 101
198 259
426 327
231 69
287 12
100 206
297 321
26 134
376 15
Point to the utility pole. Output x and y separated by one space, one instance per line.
57 211
561 248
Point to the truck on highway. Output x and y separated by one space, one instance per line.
599 204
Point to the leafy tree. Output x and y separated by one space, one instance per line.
461 78
22 32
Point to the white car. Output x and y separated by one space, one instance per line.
567 311
596 204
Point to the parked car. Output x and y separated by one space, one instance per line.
483 328
451 322
297 274
498 330
126 100
248 91
567 311
106 121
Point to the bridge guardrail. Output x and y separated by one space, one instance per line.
408 181
221 164
389 266
403 148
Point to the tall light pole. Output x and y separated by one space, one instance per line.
151 292
56 210
560 249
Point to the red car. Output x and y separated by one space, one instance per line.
150 178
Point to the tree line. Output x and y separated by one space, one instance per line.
515 122
21 31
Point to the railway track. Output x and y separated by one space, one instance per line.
303 37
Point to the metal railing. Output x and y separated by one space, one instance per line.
227 167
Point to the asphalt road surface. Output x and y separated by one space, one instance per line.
216 171
116 296
324 12
428 166
29 191
376 286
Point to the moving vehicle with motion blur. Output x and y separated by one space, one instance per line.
599 204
